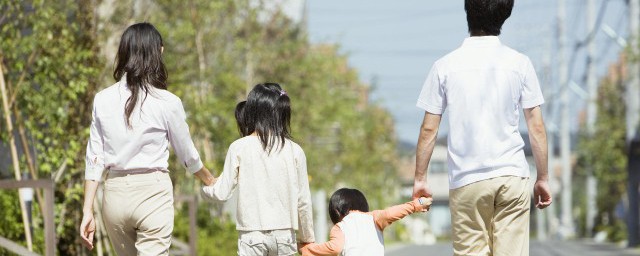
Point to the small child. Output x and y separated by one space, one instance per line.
270 172
239 113
358 231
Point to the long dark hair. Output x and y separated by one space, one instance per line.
140 59
344 200
268 114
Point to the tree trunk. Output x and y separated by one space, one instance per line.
14 155
27 153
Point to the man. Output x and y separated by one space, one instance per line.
484 84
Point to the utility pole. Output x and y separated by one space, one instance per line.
565 135
633 85
633 116
592 86
543 216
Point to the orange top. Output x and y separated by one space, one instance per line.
381 218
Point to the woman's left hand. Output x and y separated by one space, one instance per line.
205 176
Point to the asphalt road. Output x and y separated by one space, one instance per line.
546 248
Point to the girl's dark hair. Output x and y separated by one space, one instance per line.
240 118
487 16
344 200
139 58
268 114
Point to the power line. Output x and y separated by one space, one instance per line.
580 44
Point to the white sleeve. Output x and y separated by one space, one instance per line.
94 160
305 211
531 95
432 97
223 189
180 139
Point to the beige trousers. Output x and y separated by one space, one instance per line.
491 217
138 212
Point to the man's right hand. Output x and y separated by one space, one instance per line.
542 194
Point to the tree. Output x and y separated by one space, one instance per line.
49 53
56 55
605 153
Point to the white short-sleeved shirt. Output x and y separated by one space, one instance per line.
157 122
483 84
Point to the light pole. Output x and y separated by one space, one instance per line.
565 135
592 86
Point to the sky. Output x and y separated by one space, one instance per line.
393 44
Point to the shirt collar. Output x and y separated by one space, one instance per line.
475 41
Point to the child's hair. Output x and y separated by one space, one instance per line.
487 16
240 118
344 200
268 114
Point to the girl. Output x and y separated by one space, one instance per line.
358 231
270 172
133 123
239 113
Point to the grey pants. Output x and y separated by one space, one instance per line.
267 243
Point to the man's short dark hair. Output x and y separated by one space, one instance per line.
486 17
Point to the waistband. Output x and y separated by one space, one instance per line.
275 232
138 170
127 177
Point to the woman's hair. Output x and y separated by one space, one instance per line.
240 118
139 58
268 114
487 16
344 200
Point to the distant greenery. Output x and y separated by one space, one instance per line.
604 152
50 65
57 55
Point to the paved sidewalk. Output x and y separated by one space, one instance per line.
580 248
537 248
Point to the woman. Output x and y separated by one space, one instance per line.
133 123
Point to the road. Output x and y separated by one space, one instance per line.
547 248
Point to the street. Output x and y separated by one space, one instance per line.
546 248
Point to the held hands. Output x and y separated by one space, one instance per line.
422 194
87 230
420 190
206 191
425 203
542 194
205 176
302 248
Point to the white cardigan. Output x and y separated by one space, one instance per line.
273 188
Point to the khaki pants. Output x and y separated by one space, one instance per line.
491 217
138 212
267 243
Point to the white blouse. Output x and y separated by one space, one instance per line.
273 189
157 121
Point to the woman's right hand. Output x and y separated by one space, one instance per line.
87 230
